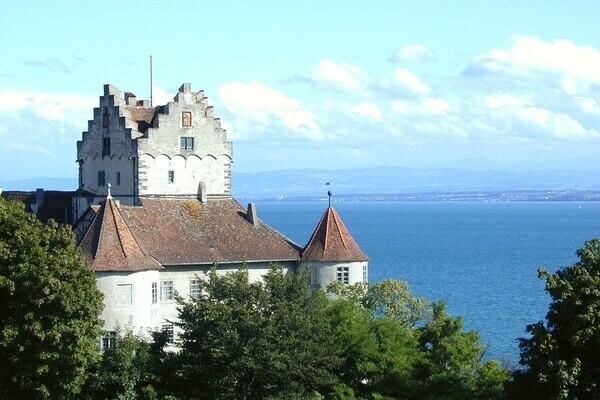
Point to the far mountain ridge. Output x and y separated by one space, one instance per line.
375 180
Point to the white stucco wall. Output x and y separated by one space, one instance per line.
160 150
325 273
141 315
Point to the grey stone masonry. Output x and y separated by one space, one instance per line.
175 150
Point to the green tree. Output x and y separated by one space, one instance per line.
269 339
50 306
132 369
452 365
561 356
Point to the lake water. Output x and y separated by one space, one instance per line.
482 258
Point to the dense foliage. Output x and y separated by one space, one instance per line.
50 305
280 339
561 356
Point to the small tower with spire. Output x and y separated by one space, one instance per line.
332 254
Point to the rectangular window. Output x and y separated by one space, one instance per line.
365 274
168 328
124 295
118 178
187 143
343 275
154 292
166 290
101 178
106 146
195 289
186 118
107 341
105 118
171 177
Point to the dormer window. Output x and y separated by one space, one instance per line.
187 143
186 118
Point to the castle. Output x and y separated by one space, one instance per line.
154 213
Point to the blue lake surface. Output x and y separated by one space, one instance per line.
482 258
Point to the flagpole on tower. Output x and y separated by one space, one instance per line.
150 80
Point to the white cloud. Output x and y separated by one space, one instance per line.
573 68
503 100
557 124
424 106
161 96
588 105
366 109
412 52
404 83
339 75
262 107
56 107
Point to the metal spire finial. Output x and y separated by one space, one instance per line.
329 194
108 196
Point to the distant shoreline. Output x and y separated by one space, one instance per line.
488 196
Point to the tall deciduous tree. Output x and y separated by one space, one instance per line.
253 340
561 356
50 306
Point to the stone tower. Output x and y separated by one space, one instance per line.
175 150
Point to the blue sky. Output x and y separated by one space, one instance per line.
312 84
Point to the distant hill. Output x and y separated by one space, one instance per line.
394 180
374 181
66 184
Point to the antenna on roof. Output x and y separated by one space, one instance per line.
150 80
328 194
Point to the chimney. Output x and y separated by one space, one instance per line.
39 198
118 203
251 215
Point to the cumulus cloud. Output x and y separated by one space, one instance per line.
263 107
337 75
574 69
424 106
404 83
412 52
71 109
557 124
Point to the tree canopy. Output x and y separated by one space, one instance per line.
49 322
561 355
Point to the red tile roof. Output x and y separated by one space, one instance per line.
331 241
186 231
110 245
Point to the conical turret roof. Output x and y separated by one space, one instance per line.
332 242
110 245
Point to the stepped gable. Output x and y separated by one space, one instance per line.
187 231
332 242
110 245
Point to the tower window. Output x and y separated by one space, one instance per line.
105 118
171 177
195 289
166 290
187 143
154 292
186 118
343 275
106 146
101 178
118 178
168 329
